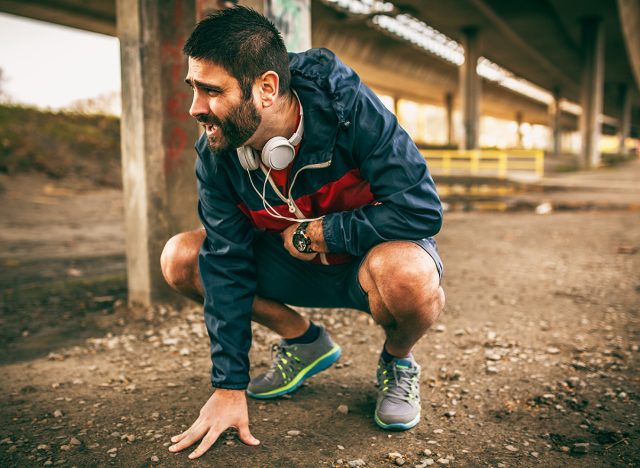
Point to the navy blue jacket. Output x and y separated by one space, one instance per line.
355 166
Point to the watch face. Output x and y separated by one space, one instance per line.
300 242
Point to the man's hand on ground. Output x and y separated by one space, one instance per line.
224 409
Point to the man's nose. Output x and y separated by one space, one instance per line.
199 105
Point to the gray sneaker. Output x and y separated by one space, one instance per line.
398 405
292 365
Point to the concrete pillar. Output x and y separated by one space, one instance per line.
592 90
157 137
519 129
448 107
470 90
625 119
555 114
396 106
293 20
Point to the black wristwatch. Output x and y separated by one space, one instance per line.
301 240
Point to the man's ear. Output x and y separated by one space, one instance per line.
268 87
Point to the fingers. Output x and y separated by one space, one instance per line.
179 437
206 443
245 435
193 435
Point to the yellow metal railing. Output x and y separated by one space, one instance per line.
485 162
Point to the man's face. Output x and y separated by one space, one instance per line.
218 105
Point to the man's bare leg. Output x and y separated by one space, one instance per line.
179 262
404 292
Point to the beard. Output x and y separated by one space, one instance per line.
235 129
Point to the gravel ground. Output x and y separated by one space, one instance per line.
533 363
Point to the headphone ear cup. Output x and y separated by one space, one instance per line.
278 153
247 158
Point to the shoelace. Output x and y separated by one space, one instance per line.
282 361
405 380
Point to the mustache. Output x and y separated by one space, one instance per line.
207 119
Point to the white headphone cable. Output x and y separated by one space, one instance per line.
267 206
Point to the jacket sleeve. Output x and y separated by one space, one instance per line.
408 206
228 275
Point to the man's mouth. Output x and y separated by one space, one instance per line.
211 129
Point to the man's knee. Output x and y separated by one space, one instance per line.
179 259
404 277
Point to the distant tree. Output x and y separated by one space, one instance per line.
4 97
106 103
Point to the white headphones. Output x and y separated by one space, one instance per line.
277 153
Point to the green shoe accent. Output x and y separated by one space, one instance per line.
292 364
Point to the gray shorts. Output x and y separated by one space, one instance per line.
285 279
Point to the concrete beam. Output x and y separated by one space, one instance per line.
555 115
629 13
470 90
157 138
95 16
448 108
625 120
592 90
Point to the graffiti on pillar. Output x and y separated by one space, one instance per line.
293 20
175 97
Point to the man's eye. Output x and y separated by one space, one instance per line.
211 92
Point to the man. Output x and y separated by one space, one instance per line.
310 194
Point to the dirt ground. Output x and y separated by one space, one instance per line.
533 363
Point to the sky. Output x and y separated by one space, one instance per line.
49 66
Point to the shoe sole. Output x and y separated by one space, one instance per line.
397 426
323 362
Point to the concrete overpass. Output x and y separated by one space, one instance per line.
586 52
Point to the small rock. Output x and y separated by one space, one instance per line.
440 328
393 455
112 450
438 431
491 335
443 461
48 463
65 448
399 461
343 409
564 449
43 447
492 370
356 462
12 449
450 414
552 350
492 355
75 441
580 448
6 441
340 447
511 448
427 452
57 414
293 433
544 208
535 454
155 459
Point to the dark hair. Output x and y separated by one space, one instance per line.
243 42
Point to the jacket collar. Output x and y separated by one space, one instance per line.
327 89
